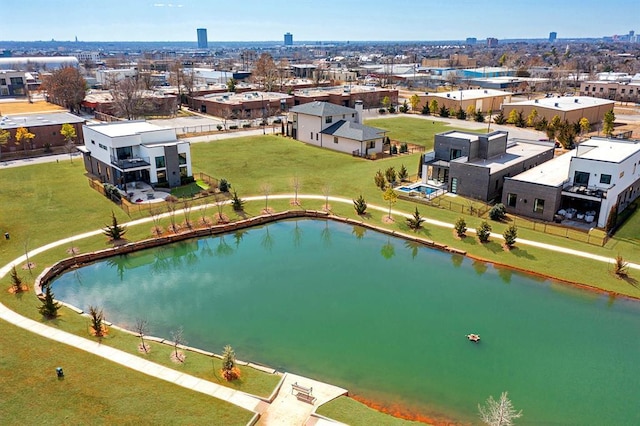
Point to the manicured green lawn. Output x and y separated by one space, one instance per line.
352 412
94 390
415 130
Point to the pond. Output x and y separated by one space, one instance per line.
384 318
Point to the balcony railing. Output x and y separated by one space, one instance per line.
590 191
130 163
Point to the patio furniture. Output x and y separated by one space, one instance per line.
589 218
580 216
150 196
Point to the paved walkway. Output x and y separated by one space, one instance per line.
287 407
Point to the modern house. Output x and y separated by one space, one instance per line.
132 151
598 177
335 127
569 108
475 165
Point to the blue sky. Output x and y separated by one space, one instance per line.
315 20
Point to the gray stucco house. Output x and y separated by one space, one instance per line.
475 165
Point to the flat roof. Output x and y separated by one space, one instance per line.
39 119
125 128
564 103
469 94
609 150
516 153
551 173
238 98
461 135
346 89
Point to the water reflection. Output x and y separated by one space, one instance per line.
388 250
267 240
297 235
413 247
456 260
325 234
359 231
480 267
223 249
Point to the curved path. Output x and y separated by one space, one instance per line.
239 398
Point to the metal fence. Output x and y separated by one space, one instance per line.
589 236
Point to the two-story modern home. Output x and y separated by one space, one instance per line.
599 177
335 127
475 165
132 151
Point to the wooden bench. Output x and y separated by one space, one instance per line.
302 393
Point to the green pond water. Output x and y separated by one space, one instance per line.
383 318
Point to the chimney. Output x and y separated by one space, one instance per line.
359 111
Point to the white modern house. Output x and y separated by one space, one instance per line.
133 151
335 127
598 177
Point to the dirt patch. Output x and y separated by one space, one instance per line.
178 357
388 219
23 288
28 266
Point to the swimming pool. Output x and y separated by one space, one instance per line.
419 187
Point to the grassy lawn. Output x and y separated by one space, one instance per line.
93 390
352 412
29 108
189 190
44 203
415 130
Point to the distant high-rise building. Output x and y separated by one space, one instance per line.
492 42
552 36
288 39
202 38
472 40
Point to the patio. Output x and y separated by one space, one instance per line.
141 192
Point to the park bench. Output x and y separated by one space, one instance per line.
302 393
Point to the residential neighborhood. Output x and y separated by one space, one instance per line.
339 214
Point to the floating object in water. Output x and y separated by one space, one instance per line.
473 337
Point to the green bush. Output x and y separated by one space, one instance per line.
382 110
237 203
484 231
186 180
415 222
498 212
233 127
224 185
510 234
461 227
246 126
219 127
360 205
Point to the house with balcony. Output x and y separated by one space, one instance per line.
336 127
135 151
598 178
476 165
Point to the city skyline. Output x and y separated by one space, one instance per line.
356 20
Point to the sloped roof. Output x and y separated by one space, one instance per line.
321 109
355 131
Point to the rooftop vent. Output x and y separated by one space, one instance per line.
486 91
575 100
448 95
536 101
556 104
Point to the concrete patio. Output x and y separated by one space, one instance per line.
142 192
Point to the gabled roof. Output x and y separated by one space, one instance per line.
321 109
350 130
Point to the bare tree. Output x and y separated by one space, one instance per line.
155 217
266 190
65 87
266 71
171 207
128 99
178 340
142 327
220 200
326 190
498 413
295 182
186 210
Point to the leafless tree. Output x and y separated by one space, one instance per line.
266 71
178 340
326 190
171 208
65 87
128 100
498 413
186 210
155 217
266 190
295 182
142 327
220 200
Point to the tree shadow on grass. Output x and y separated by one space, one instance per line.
518 252
493 246
630 280
470 241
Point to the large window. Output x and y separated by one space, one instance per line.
538 205
512 199
160 163
455 153
371 144
335 139
606 179
16 81
581 178
182 159
162 176
124 153
328 119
